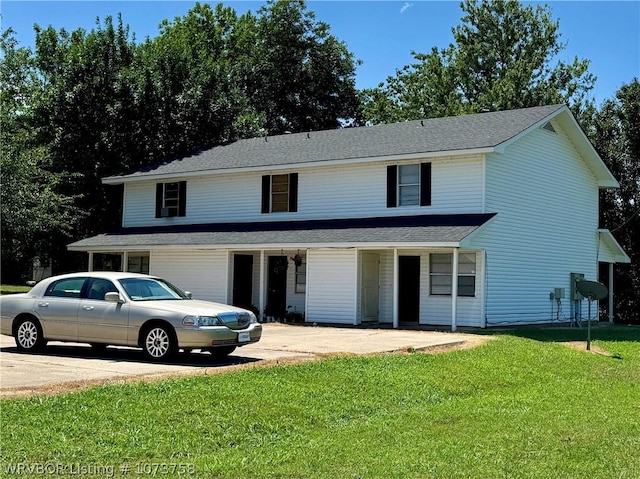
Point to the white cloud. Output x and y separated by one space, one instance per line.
405 7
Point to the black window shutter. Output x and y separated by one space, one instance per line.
392 186
159 193
425 184
266 193
182 198
293 192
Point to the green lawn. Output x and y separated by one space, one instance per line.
522 406
12 289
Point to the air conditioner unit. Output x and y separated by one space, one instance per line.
165 212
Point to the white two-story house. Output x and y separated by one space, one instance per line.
477 220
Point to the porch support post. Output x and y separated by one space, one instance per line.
454 290
262 289
125 261
90 268
396 276
611 292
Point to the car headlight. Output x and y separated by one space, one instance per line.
202 321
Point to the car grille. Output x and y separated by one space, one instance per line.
235 320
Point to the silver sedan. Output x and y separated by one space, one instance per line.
127 309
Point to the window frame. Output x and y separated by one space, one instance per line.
300 279
394 185
174 206
270 189
464 274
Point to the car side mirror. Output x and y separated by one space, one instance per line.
113 297
188 294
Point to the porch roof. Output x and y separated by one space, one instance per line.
426 230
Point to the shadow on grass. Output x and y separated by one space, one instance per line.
565 333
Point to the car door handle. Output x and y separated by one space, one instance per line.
43 305
88 308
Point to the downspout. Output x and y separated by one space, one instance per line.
454 290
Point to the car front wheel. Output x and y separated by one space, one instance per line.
158 343
29 335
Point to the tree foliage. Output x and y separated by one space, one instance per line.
615 132
32 209
85 105
503 58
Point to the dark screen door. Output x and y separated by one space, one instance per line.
409 289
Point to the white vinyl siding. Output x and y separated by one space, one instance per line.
547 205
350 191
332 286
204 273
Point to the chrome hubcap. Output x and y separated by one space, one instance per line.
157 342
27 335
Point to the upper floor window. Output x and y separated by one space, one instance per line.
280 193
171 199
441 273
409 185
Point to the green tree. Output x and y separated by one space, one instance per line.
615 132
294 72
503 58
32 209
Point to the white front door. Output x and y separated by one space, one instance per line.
370 293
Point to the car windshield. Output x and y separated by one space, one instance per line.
150 289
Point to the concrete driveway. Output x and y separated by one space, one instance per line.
66 366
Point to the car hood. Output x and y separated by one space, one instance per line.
233 317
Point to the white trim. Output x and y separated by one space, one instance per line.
117 180
263 290
454 290
396 290
608 241
274 246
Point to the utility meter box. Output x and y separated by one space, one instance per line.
558 293
575 294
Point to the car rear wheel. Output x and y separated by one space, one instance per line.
29 335
222 351
158 343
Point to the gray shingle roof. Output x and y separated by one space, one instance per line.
466 132
421 229
298 239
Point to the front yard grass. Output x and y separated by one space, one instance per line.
13 289
517 407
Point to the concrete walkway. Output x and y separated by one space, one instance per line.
69 366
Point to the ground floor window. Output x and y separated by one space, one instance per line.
301 278
441 272
107 262
138 263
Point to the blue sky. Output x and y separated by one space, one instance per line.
380 33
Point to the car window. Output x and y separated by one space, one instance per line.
66 288
150 289
98 287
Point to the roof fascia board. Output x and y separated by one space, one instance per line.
265 246
604 177
503 146
610 241
117 180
